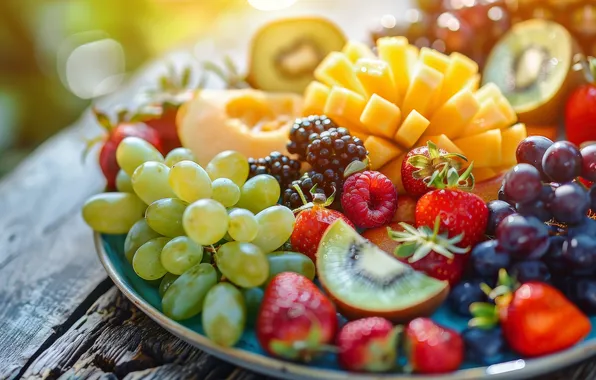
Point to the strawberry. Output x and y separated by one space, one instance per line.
535 317
312 222
115 134
580 109
431 348
368 345
421 164
295 320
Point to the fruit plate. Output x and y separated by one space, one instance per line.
248 354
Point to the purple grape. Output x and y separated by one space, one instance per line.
580 253
586 227
570 204
531 150
562 162
484 346
522 183
584 295
501 195
524 237
592 196
487 259
464 294
525 271
497 211
553 258
589 162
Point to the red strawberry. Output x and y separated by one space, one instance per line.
421 163
117 133
431 348
312 222
368 345
535 317
295 320
580 115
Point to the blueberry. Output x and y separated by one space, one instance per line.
585 295
486 259
586 227
580 253
484 346
525 271
464 294
553 258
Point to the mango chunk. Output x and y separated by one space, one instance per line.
315 97
488 117
507 110
392 170
482 174
451 118
488 91
484 149
411 129
355 50
473 84
381 117
434 59
375 77
345 107
512 136
397 53
336 70
425 83
461 70
380 151
442 142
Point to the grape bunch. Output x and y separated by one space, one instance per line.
204 236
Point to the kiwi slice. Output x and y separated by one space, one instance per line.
534 66
285 53
365 281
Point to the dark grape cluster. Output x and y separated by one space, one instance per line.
301 131
310 179
284 169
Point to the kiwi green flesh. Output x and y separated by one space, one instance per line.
360 274
530 63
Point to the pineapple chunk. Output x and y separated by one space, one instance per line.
434 59
336 70
315 97
375 77
484 149
411 129
512 136
355 50
397 53
392 170
482 174
420 94
461 70
345 107
380 151
442 142
454 115
381 117
488 117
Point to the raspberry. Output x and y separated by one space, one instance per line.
369 199
301 131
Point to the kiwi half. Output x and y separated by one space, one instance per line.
533 65
365 281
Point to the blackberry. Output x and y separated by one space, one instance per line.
325 185
284 169
333 150
301 131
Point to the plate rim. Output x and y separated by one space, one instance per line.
515 369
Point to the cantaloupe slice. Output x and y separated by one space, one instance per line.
345 107
380 151
375 77
381 117
454 115
336 70
512 136
419 97
411 129
356 50
484 149
315 97
392 170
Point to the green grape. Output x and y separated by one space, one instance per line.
276 224
139 234
150 182
224 314
259 192
181 254
165 283
243 225
133 151
179 154
225 192
113 213
146 260
123 183
253 297
229 164
284 261
205 221
165 216
184 298
244 264
190 181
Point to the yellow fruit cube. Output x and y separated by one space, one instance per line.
336 70
355 50
361 135
397 53
461 69
315 97
482 174
380 151
411 129
425 83
375 77
488 117
380 117
507 110
488 91
434 59
345 107
484 149
442 142
473 84
392 170
512 136
451 118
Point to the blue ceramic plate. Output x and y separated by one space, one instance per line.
249 354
